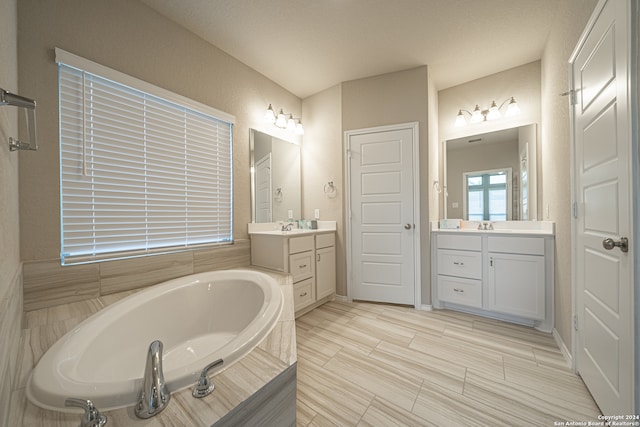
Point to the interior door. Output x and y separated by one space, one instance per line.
604 263
381 191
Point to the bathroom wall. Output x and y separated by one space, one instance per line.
132 38
521 82
322 162
10 266
395 98
570 19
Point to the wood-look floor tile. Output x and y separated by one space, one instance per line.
444 408
304 414
535 407
320 421
383 413
382 330
426 367
463 354
388 382
472 371
330 395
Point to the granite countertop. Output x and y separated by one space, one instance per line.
509 228
275 354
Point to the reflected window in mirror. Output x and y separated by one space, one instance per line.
511 149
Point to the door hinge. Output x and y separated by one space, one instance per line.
575 322
574 210
572 96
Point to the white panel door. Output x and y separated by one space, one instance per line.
604 276
382 223
263 189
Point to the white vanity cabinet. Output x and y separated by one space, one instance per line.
516 276
310 258
508 275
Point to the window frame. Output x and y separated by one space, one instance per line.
486 187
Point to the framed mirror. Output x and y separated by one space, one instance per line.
492 176
275 178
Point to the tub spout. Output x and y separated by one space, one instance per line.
154 396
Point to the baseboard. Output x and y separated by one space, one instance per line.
563 348
426 307
342 298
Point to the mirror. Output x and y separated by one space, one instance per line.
492 176
275 178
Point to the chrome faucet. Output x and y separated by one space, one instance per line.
204 387
154 396
287 227
91 417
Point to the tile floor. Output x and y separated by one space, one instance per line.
362 364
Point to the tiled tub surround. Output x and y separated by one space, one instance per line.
10 326
48 284
261 386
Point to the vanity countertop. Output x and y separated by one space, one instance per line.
511 228
275 229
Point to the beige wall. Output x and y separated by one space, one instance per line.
395 98
10 266
132 38
322 161
570 19
521 82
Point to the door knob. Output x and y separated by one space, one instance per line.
407 226
623 244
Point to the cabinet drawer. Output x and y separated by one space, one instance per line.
460 263
456 241
300 244
460 291
302 294
517 245
301 266
325 240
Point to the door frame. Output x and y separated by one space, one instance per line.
634 177
414 127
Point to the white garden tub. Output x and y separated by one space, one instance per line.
199 318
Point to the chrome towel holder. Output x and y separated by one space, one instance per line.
29 106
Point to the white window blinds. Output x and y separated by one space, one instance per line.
139 173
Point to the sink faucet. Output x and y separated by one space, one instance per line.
287 227
154 396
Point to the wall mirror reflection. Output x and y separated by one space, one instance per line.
275 178
492 176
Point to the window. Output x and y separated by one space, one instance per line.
487 195
142 170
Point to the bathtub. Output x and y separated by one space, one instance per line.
199 318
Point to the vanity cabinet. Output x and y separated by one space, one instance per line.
310 259
505 276
516 276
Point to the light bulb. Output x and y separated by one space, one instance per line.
512 109
476 115
282 120
270 116
299 129
291 124
460 121
494 112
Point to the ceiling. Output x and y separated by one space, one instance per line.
307 46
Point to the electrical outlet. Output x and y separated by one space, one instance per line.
316 214
455 205
290 214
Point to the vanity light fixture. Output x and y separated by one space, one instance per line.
281 120
493 112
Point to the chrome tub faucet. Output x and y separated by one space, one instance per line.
154 396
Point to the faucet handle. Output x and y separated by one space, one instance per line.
91 417
204 387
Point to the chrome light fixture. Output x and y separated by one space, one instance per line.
284 120
493 112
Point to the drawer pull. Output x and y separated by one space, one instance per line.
461 291
303 295
458 263
303 266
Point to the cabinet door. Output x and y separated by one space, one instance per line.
325 272
516 285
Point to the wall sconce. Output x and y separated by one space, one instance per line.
492 113
290 123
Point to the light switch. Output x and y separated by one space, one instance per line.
316 214
455 205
